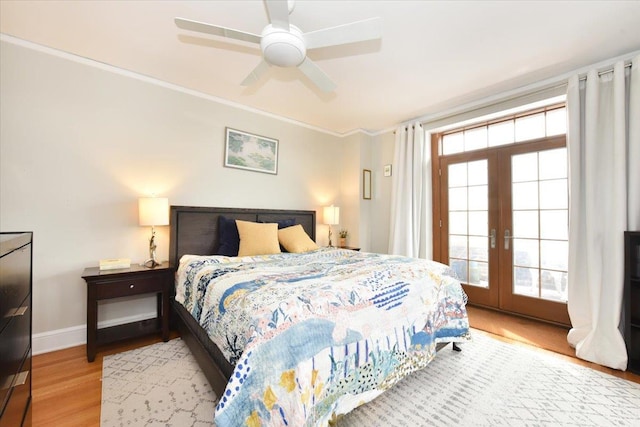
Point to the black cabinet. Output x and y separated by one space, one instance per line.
15 329
632 298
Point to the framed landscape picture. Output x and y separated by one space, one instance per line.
251 152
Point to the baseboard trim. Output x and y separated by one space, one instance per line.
60 339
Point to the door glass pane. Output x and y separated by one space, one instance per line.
458 222
540 246
458 199
479 248
457 175
525 252
554 254
460 267
553 163
478 223
524 167
525 195
553 194
469 221
525 224
525 281
554 224
553 285
458 246
479 274
478 200
477 172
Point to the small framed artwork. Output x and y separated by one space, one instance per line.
250 152
387 170
366 184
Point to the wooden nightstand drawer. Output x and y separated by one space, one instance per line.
127 287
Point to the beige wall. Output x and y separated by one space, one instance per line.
80 143
381 147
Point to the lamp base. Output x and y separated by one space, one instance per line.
151 263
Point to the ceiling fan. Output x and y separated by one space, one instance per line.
285 45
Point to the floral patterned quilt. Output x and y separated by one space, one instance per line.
314 335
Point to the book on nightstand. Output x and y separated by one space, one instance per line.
115 263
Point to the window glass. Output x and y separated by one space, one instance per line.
501 133
530 127
475 139
557 122
513 130
453 143
553 163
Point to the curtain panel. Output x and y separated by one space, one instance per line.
603 139
410 228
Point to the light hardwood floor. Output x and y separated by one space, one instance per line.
67 389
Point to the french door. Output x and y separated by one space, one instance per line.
503 226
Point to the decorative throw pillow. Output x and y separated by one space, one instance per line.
257 238
228 237
295 239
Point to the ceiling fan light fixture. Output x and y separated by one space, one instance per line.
284 45
283 48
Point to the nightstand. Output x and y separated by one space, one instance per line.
136 280
353 248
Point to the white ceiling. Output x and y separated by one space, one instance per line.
433 55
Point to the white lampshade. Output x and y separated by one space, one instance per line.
153 211
331 215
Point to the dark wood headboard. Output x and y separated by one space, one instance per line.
194 230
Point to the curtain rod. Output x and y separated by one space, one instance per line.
607 71
408 126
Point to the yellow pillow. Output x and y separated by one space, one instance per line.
257 238
294 239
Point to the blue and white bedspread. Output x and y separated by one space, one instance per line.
314 335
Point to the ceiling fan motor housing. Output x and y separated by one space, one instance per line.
281 47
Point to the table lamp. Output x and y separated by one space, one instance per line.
331 217
153 211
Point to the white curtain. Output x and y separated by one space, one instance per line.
410 230
604 147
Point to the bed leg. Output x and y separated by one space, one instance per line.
456 347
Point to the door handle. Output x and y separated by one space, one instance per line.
492 237
507 237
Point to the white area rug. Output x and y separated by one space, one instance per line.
157 385
489 383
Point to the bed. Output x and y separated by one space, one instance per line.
322 332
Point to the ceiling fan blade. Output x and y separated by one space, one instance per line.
316 75
255 75
368 29
216 30
278 13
